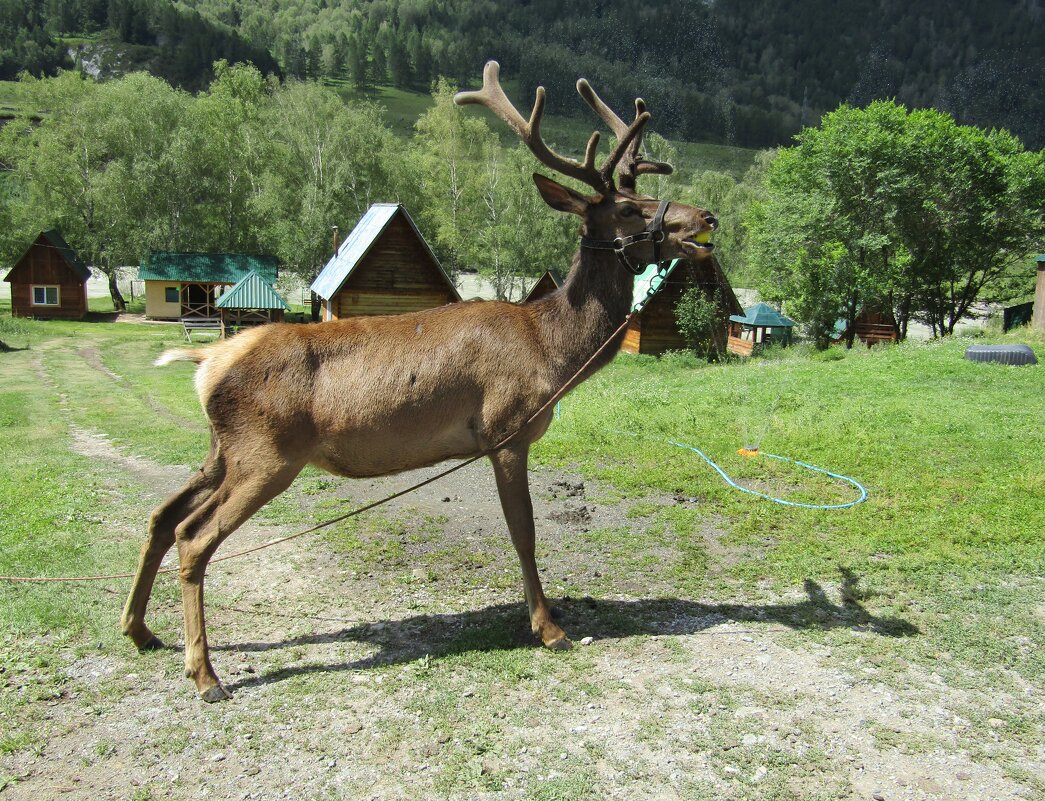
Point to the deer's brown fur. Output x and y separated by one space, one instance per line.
370 396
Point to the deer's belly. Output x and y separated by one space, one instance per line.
362 453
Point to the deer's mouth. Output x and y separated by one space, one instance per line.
699 243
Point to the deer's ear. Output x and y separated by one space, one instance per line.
561 197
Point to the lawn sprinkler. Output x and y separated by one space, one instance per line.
748 451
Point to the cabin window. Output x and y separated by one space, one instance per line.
45 296
171 294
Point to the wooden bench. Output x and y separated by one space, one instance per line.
191 324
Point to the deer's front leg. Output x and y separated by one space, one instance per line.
509 467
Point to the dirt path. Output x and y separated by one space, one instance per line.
400 666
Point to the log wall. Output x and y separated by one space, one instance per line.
398 275
43 265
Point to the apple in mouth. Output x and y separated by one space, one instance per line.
700 243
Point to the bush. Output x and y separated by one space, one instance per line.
696 315
14 333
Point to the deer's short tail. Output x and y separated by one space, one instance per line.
195 355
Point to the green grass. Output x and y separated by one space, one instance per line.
940 568
949 450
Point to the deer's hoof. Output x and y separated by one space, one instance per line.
214 694
561 644
154 643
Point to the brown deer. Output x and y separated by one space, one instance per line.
372 396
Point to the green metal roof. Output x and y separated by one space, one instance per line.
763 315
213 268
252 292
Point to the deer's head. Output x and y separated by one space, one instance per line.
641 229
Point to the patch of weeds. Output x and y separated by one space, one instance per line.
104 748
577 786
642 509
169 740
18 741
906 742
283 510
318 486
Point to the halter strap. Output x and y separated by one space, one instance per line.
654 233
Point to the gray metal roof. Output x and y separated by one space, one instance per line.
252 292
358 243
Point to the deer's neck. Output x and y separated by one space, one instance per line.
575 321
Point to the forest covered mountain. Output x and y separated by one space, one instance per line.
746 73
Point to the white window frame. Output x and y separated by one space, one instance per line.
45 287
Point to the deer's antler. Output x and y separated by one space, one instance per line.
600 179
629 165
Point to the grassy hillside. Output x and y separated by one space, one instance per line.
403 107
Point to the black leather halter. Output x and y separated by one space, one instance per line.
654 233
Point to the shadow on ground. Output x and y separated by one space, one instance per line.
504 626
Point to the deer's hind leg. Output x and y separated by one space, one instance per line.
162 522
240 495
513 486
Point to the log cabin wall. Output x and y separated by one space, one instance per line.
655 330
398 275
44 265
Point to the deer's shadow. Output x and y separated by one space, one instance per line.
505 627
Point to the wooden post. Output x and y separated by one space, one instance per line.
1037 320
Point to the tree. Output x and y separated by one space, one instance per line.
97 166
219 149
325 163
976 210
909 211
697 314
450 151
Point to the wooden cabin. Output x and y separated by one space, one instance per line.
188 285
383 267
545 285
654 330
252 301
758 326
49 281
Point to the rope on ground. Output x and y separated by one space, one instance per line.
554 399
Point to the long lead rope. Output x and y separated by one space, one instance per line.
503 443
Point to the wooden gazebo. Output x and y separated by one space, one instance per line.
188 285
252 301
760 325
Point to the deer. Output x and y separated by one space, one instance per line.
373 396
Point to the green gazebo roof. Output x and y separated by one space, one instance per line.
207 268
762 315
252 292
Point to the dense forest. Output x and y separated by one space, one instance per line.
115 37
749 73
